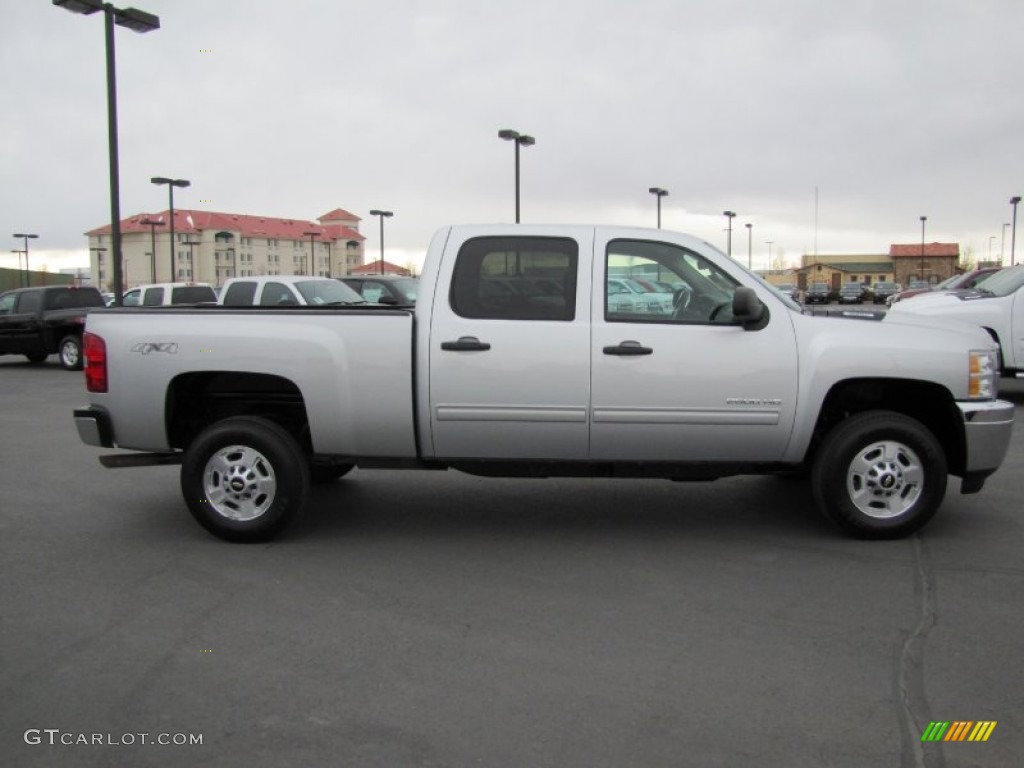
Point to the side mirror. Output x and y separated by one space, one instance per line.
747 309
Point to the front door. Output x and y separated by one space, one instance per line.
686 383
509 359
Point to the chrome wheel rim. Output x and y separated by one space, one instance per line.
885 479
239 483
69 354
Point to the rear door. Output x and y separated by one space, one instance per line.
509 349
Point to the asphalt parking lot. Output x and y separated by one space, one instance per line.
436 619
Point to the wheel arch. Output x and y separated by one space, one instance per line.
196 400
931 404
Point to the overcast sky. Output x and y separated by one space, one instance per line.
892 109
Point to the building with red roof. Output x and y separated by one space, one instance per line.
211 247
928 262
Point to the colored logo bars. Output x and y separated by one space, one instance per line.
959 730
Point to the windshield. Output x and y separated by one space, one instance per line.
1004 282
947 282
326 291
850 288
885 286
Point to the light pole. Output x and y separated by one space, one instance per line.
26 238
750 245
1013 230
923 220
153 224
312 259
383 215
659 193
19 251
518 139
729 215
137 21
171 184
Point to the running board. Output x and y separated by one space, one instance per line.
122 460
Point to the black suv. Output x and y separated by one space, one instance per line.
818 293
36 322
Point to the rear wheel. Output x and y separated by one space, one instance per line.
70 352
879 475
245 479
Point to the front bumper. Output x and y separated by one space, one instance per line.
987 429
93 425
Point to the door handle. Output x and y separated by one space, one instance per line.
628 348
465 344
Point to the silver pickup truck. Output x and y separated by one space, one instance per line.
516 362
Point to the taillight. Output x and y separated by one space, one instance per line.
95 362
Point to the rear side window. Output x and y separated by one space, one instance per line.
240 294
516 278
192 294
153 297
30 301
73 298
277 295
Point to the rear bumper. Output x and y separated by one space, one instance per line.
987 429
93 425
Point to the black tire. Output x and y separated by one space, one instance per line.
37 357
245 479
323 473
70 352
879 475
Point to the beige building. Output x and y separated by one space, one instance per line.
211 247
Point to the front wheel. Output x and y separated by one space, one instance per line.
70 353
879 475
245 479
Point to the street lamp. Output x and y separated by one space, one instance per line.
26 238
312 260
923 220
518 139
383 215
137 21
153 224
659 193
171 184
729 215
750 245
1013 231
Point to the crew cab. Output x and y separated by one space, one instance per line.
37 322
996 304
255 402
286 291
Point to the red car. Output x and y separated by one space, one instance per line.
966 280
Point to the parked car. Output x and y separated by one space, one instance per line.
956 282
818 293
789 289
626 295
36 322
883 291
286 290
394 290
168 294
851 293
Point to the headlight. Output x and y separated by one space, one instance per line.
984 374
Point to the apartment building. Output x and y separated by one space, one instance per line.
211 247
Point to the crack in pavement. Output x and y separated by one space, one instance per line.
913 701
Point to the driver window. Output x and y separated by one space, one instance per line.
650 282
